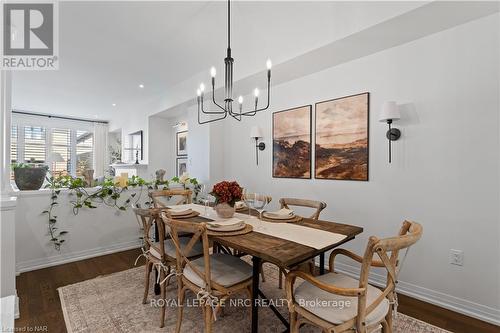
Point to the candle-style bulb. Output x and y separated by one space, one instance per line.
256 92
202 87
198 92
213 71
269 64
240 99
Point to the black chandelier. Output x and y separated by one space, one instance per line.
227 109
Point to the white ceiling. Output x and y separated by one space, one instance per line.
108 48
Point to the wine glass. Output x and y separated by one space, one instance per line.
259 203
248 198
205 198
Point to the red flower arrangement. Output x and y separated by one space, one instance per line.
227 192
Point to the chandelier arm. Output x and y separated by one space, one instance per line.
210 112
235 116
234 113
214 101
254 112
210 120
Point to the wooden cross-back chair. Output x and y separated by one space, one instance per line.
213 278
185 194
369 307
161 254
154 252
317 205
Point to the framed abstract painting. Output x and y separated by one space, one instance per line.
292 143
341 146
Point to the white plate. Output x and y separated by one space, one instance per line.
225 228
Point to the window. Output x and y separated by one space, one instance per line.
61 144
35 147
64 150
13 144
84 151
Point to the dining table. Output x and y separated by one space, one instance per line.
284 253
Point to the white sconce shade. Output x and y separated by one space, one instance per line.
388 114
390 111
55 157
256 132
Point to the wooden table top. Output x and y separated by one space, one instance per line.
282 252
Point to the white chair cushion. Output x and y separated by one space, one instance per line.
330 308
225 269
171 251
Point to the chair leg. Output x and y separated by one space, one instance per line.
294 325
280 281
248 290
385 327
388 320
262 271
312 268
148 275
168 272
207 311
163 296
180 307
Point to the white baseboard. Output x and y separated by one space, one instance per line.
16 307
460 305
8 313
31 265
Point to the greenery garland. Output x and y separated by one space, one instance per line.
107 192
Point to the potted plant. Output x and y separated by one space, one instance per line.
226 195
29 176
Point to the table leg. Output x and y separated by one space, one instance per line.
322 263
255 293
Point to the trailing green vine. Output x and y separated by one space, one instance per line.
105 193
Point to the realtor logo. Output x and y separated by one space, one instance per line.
30 36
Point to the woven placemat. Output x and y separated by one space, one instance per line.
248 228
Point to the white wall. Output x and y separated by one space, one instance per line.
92 232
445 170
161 149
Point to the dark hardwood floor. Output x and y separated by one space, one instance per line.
40 306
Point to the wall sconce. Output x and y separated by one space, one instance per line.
256 133
390 113
180 125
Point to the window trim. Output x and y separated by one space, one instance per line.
49 124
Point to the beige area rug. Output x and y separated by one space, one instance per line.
113 303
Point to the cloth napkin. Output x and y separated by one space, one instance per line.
179 210
283 213
226 223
